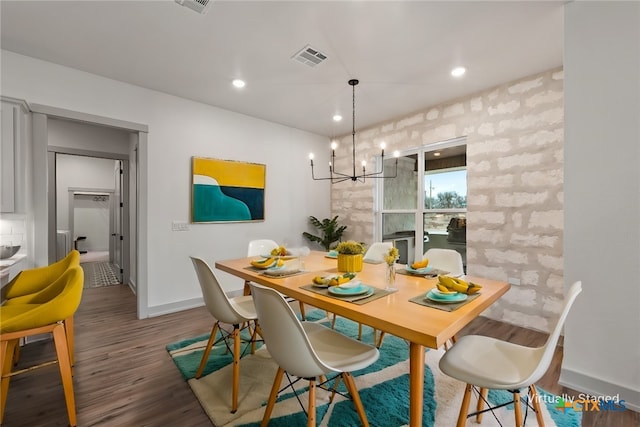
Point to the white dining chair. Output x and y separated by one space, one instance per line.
238 311
445 259
264 247
487 363
377 251
308 350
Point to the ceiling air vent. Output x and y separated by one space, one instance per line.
199 6
310 56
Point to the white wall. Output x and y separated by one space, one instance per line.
602 198
79 172
178 130
91 220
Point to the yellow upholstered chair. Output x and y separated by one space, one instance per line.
36 279
44 315
30 287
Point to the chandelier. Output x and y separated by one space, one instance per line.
336 176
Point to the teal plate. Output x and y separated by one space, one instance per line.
446 299
349 292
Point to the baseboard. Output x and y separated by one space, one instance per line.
597 387
174 307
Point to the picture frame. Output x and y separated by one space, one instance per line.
227 191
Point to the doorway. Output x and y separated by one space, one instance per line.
89 219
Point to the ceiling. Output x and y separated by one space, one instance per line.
401 51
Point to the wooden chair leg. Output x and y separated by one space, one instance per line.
311 410
7 349
272 397
302 313
379 343
533 393
353 391
517 408
335 388
236 368
247 289
333 321
480 405
464 408
207 350
62 350
359 331
68 329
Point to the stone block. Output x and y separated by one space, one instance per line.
525 86
453 110
547 219
498 256
509 107
519 199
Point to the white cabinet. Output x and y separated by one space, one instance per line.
13 130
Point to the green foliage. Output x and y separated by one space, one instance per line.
330 231
350 247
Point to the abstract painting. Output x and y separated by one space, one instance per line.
227 191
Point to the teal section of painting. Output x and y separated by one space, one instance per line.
210 204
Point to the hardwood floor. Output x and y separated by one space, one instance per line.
124 376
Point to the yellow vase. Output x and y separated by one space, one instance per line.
349 263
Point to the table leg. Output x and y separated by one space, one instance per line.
416 384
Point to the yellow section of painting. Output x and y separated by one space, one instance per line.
230 173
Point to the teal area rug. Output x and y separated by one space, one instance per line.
383 387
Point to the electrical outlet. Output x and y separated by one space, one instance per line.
179 226
513 281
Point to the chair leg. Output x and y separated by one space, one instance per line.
302 313
517 408
533 393
379 343
359 331
247 289
236 368
464 408
62 350
353 391
480 406
207 350
333 321
335 388
272 397
68 329
311 410
7 349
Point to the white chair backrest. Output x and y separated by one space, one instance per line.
445 259
546 351
377 251
284 336
214 297
261 247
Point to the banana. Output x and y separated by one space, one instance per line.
263 263
454 284
444 289
473 288
420 264
279 251
318 280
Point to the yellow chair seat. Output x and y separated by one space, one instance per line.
36 279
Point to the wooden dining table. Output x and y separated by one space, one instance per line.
394 314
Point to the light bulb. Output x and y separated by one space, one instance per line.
334 145
383 145
396 153
364 163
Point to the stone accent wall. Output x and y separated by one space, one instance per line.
515 187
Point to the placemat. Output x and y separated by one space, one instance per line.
422 300
356 299
262 270
433 273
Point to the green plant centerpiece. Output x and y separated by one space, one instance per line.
331 231
350 256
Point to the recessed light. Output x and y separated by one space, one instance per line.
458 71
238 83
337 118
436 154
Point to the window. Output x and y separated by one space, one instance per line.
425 206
